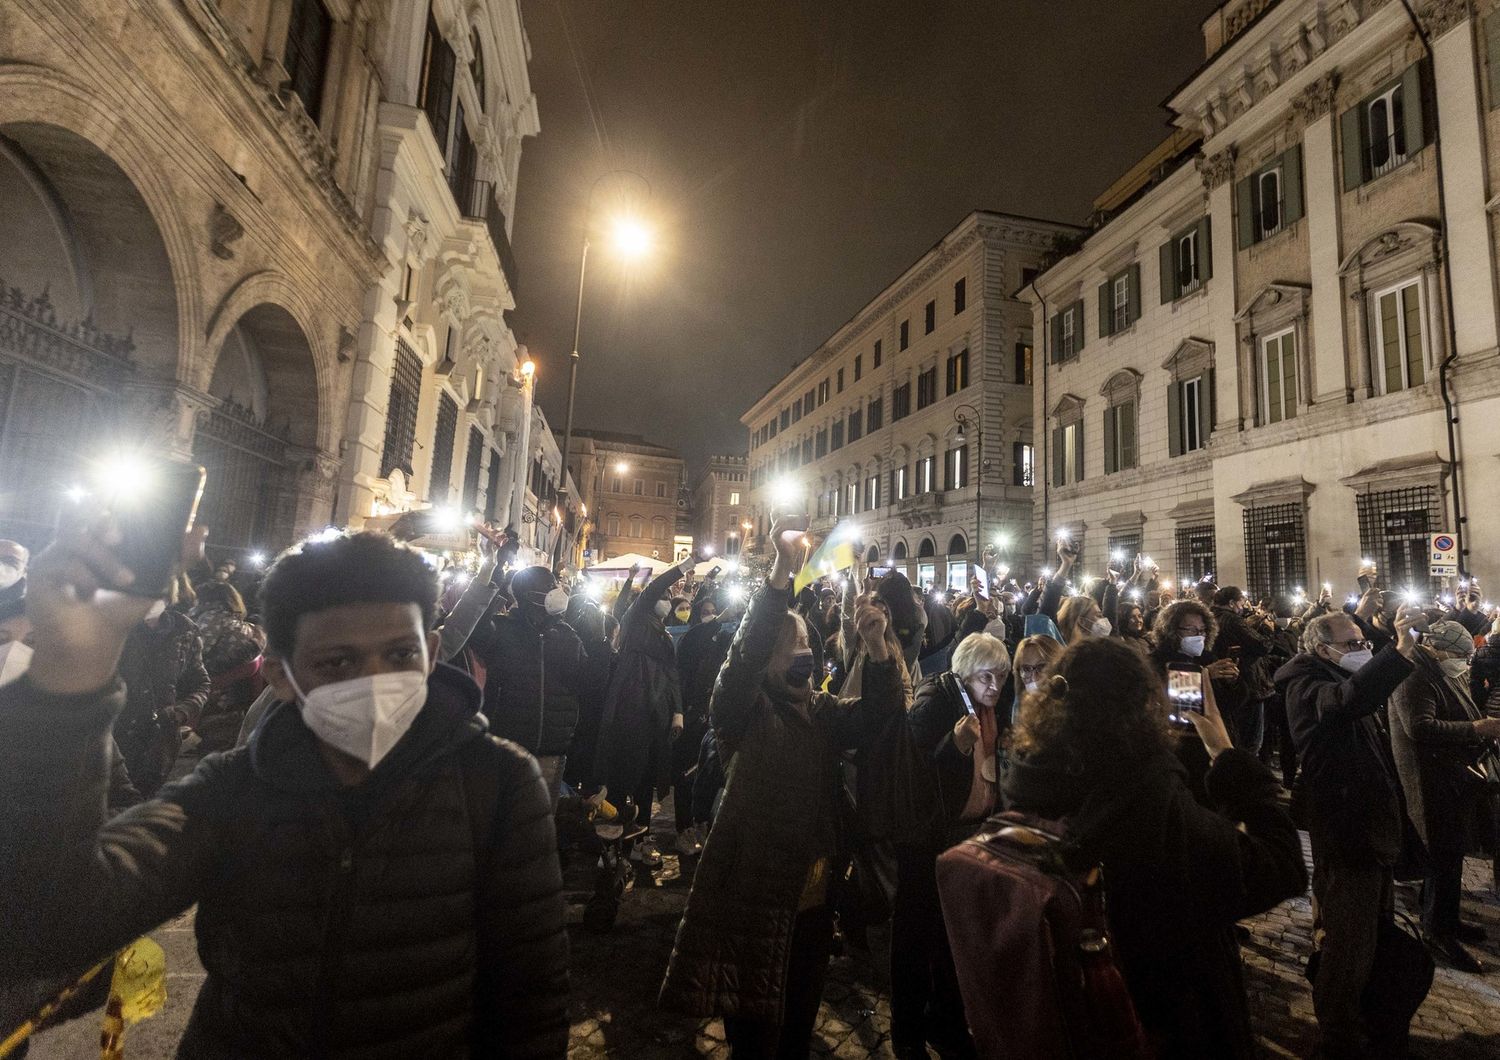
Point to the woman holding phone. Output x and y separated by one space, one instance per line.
1093 745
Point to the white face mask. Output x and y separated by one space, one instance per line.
663 609
1454 668
365 716
9 575
1101 627
1192 645
556 600
1032 686
1354 661
15 660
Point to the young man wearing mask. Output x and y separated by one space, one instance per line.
1349 798
1437 736
373 873
537 672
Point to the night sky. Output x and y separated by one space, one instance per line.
799 156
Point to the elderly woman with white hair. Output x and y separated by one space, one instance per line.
956 722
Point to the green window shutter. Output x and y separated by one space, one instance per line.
1174 419
1134 283
1168 262
1110 466
1059 477
1078 453
1492 56
1244 205
1077 308
1206 405
1291 183
1352 146
1205 248
1105 316
1213 403
1413 106
1056 351
1125 429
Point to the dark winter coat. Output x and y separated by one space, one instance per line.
163 669
416 914
1177 876
1347 789
936 708
779 816
634 734
1433 741
535 679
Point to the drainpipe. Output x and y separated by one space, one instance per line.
1450 414
1046 434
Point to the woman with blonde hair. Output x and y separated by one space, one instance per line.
1080 617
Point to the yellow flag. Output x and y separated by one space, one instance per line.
836 553
140 980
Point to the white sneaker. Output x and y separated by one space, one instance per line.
645 853
687 843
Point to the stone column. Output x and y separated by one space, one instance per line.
1321 187
1471 260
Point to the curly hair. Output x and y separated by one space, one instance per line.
1101 706
1164 629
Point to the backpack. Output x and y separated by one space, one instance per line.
1031 947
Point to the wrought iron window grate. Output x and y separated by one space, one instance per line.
1197 555
1393 530
1275 548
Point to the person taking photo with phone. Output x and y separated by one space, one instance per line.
374 874
1349 798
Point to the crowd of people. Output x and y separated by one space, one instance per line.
351 763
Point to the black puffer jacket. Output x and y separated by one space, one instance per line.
417 914
535 679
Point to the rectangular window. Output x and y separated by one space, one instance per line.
898 483
435 92
1119 437
960 295
639 488
875 415
856 425
1192 428
821 449
1023 363
734 498
838 436
853 491
905 334
615 485
1394 526
841 381
401 411
955 468
1278 377
1067 332
877 353
927 387
1275 548
1024 460
872 493
958 371
929 316
1268 202
1120 301
443 438
472 461
924 474
786 418
859 366
1186 261
661 489
306 58
808 403
807 450
1270 199
1398 337
901 402
1196 553
797 410
1067 453
822 392
1386 128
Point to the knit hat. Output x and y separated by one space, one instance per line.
1448 636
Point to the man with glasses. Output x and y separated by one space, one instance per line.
1349 798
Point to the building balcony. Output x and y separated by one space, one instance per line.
476 202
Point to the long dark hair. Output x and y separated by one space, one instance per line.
907 618
1098 707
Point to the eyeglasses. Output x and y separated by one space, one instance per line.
1351 645
1032 671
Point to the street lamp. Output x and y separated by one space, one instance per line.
967 416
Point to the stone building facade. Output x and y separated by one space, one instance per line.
634 493
720 504
881 426
1248 365
206 212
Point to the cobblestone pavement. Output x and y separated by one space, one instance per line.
615 979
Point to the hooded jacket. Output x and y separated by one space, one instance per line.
643 695
1347 786
535 678
418 913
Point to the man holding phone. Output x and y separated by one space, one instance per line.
1349 797
374 873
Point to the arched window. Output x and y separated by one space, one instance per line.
635 526
476 65
926 548
872 554
957 546
899 552
614 525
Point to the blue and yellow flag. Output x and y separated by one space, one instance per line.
836 553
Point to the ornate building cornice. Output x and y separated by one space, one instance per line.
1216 169
1439 16
1316 99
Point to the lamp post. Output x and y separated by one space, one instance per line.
631 240
967 416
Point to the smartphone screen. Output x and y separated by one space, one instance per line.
880 572
1185 688
152 517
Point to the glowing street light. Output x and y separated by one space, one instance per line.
632 240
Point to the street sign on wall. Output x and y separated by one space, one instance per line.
1442 555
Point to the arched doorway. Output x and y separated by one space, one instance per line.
958 564
87 304
926 563
256 436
